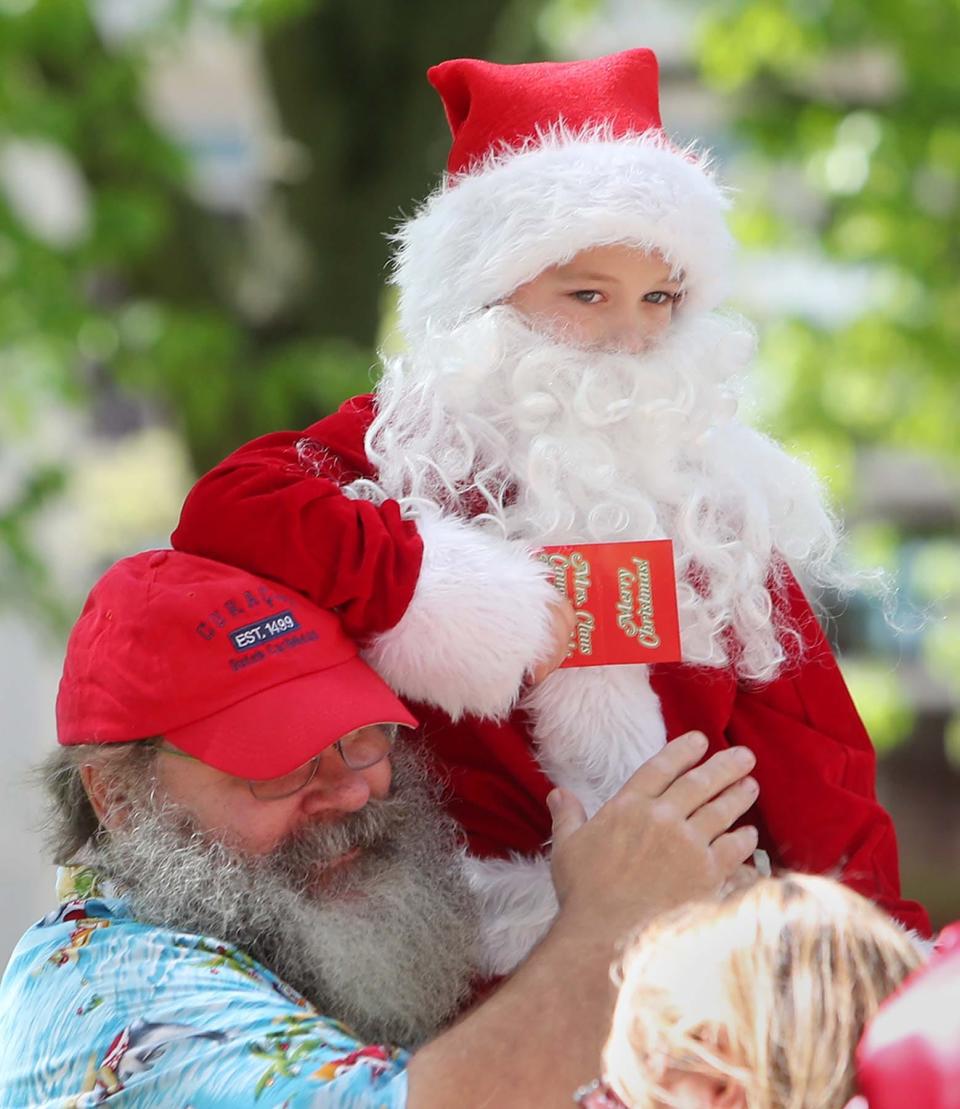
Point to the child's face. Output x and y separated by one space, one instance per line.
610 297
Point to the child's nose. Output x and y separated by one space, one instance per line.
638 327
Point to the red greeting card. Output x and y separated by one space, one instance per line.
625 596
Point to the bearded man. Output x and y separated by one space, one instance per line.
567 379
267 905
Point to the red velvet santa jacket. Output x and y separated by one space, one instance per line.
276 507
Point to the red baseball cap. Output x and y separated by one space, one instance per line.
243 674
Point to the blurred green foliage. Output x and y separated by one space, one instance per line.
849 111
140 299
883 703
858 100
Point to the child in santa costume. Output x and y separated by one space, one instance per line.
567 379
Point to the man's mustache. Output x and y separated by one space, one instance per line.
373 827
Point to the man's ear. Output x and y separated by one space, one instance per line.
108 803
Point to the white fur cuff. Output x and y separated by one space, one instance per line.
479 620
517 906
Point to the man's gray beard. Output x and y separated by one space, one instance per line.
386 944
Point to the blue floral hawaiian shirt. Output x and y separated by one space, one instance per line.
97 1007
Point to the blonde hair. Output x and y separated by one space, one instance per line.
769 986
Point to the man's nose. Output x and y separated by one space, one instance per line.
335 788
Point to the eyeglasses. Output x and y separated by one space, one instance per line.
359 750
597 1095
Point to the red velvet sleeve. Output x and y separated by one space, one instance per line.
817 808
276 507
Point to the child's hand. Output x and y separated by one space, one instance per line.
564 620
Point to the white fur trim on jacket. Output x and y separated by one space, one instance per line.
480 619
594 726
485 232
517 906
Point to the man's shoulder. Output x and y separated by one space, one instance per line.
57 937
113 1000
93 932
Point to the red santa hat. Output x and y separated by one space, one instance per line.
547 160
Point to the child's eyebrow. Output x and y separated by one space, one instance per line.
577 275
609 279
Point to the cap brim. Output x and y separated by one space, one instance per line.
278 729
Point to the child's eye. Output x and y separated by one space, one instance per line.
587 296
661 297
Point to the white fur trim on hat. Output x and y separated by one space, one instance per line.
479 621
486 232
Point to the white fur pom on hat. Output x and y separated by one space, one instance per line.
547 160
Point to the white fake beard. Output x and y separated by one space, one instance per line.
387 946
551 443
